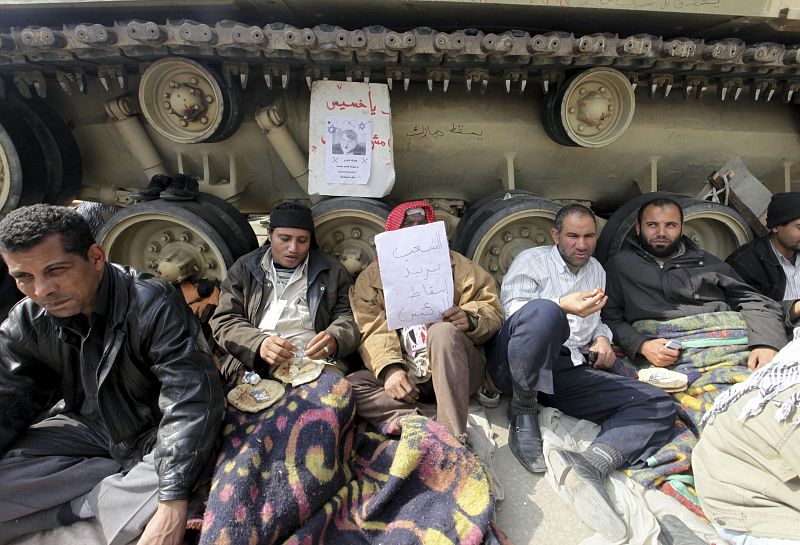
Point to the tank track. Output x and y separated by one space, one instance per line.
279 52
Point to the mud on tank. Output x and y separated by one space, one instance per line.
500 111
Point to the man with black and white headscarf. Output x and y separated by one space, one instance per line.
747 462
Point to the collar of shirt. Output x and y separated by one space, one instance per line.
269 269
558 259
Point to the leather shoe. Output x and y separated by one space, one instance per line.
525 441
587 490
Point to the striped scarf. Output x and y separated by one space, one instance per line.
769 381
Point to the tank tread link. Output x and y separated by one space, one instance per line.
277 51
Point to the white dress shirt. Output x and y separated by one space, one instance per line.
541 273
792 271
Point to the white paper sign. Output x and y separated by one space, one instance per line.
349 151
364 108
416 274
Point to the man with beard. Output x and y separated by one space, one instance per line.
769 264
554 344
662 275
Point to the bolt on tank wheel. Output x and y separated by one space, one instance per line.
168 240
504 227
345 228
592 109
183 100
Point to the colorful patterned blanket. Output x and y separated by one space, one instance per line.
714 357
305 471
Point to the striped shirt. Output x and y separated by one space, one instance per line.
792 271
540 273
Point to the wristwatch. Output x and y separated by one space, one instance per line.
473 322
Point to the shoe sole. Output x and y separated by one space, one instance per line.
591 507
532 469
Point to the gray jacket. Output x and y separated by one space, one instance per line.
246 292
693 283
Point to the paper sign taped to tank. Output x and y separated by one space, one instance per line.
348 153
335 104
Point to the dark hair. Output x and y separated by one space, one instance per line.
660 202
577 209
26 227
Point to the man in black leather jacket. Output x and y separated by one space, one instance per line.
142 400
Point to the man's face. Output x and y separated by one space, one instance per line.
62 283
788 237
290 246
414 220
576 240
348 145
660 230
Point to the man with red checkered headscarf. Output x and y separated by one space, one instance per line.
430 369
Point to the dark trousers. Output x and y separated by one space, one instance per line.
527 357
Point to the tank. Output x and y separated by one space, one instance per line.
498 112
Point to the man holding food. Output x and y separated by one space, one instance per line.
554 347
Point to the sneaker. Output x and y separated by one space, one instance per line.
182 188
158 183
487 398
586 488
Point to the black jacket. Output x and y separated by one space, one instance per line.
158 387
758 265
693 283
245 294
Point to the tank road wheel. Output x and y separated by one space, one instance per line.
24 175
592 109
503 227
173 241
185 102
244 237
345 228
714 227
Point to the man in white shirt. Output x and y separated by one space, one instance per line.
554 344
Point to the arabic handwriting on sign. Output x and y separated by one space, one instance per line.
344 105
436 244
432 290
407 314
376 141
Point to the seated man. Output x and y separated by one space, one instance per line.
385 390
142 397
285 299
769 264
662 275
286 296
747 463
553 343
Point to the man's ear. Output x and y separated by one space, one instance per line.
638 229
554 234
96 255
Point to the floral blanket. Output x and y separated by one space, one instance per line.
305 471
714 357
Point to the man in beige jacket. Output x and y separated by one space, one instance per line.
431 369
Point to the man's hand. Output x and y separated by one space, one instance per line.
794 310
399 386
657 353
759 357
167 525
457 317
321 346
275 350
583 303
605 354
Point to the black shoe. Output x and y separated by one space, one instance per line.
182 188
158 183
525 441
587 490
